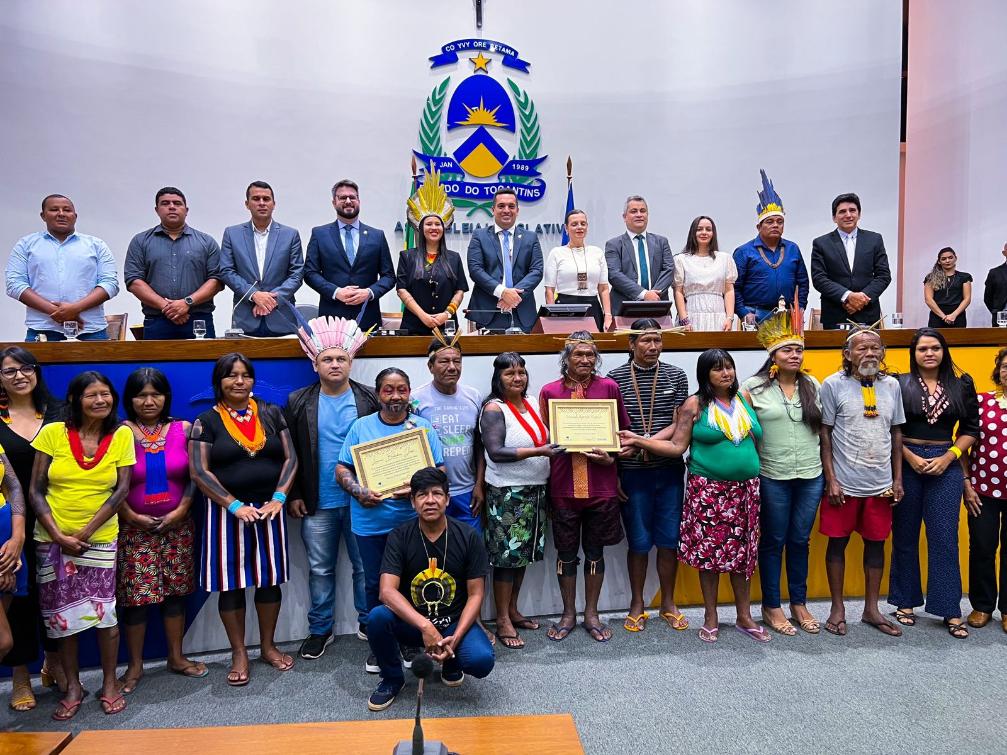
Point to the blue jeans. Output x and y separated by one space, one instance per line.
162 329
460 507
372 550
321 534
653 509
57 335
386 632
786 517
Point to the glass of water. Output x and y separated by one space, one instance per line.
1002 318
199 328
896 319
451 327
70 330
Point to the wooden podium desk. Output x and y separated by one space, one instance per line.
33 742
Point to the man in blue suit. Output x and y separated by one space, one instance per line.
262 263
348 263
505 264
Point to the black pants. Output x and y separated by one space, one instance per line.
986 532
25 617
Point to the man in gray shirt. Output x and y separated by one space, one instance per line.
862 459
174 270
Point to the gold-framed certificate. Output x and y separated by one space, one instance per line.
583 424
387 464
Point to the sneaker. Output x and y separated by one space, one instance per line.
452 678
314 645
383 696
408 654
371 666
362 632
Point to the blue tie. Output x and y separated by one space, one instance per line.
644 271
351 253
507 264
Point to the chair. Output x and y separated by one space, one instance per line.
815 323
391 320
307 311
116 325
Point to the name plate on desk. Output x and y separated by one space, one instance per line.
583 424
387 464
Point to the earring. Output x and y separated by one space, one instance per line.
773 372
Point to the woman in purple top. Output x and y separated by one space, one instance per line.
156 564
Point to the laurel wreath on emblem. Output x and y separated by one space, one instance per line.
529 141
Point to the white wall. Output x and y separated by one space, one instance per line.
682 102
955 156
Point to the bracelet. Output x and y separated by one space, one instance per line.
452 308
234 505
280 496
956 451
683 321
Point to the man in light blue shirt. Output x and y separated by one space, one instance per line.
62 276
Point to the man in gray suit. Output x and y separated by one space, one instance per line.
641 266
261 262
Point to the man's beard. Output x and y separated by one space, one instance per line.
868 368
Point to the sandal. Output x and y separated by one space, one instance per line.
529 624
709 635
959 631
66 709
635 623
759 634
837 628
281 663
811 626
22 699
904 618
676 621
558 632
781 627
512 641
885 627
185 670
112 705
599 632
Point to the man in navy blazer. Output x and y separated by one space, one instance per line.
348 263
641 266
505 265
262 263
849 267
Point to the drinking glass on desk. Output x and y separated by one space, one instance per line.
199 329
70 330
896 320
450 328
1002 318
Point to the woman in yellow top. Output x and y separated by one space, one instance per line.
81 476
13 572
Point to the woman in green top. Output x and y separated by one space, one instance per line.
720 518
787 403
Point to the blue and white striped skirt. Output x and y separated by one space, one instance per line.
235 554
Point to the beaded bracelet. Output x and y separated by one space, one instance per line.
280 496
234 505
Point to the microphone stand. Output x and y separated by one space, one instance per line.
235 332
513 330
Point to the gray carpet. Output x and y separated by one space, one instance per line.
658 691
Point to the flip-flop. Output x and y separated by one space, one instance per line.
676 621
184 671
709 635
635 623
65 710
111 704
597 632
529 624
283 663
759 634
240 678
837 628
559 632
884 627
21 694
505 638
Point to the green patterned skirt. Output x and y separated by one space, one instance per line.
515 525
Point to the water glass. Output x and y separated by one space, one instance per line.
450 328
199 328
1002 318
896 320
70 330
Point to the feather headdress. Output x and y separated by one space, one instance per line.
770 203
444 342
430 199
323 333
785 327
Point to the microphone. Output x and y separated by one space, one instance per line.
513 330
235 332
423 667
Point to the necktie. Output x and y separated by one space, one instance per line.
351 253
507 262
642 254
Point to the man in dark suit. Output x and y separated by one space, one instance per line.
995 294
641 266
505 264
261 262
348 263
849 267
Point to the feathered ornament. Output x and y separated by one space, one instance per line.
785 327
323 333
430 199
867 383
769 201
445 344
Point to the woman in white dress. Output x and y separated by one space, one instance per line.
704 280
577 273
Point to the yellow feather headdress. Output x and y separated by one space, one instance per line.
785 327
430 199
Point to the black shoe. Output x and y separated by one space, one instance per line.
408 654
371 667
362 632
383 696
314 645
452 678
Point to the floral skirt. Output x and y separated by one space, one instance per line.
154 566
76 593
515 525
720 525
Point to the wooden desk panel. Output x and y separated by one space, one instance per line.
484 735
33 742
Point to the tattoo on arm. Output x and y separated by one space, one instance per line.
199 472
289 469
40 485
494 434
12 488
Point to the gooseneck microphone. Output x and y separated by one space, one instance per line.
234 331
423 666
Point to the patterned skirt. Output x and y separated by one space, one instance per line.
720 525
515 525
235 554
154 566
76 592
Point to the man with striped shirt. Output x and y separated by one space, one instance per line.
652 391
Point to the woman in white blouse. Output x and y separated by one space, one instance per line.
577 273
704 280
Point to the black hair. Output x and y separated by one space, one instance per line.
426 478
644 323
223 368
140 379
811 413
996 366
436 346
504 190
75 411
55 196
345 183
441 263
502 363
258 185
843 198
169 190
709 360
691 245
386 373
947 374
40 395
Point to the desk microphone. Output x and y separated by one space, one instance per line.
235 332
422 667
513 330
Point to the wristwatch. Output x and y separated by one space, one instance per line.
188 301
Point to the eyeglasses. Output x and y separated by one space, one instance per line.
25 369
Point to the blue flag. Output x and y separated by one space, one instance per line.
569 207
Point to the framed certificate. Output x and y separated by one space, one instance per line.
386 464
583 424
